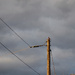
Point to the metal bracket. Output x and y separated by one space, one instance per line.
50 50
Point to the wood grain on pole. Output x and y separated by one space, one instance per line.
48 57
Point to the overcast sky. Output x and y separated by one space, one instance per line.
35 21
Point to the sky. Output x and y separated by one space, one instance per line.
35 21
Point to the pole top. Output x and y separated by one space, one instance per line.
48 38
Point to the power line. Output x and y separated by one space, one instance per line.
53 63
14 32
18 51
19 58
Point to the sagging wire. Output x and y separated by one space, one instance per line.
20 59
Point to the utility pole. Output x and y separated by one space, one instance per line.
48 57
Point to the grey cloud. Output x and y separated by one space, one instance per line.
34 21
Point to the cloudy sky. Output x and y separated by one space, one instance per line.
35 21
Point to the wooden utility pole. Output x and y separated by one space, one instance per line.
48 57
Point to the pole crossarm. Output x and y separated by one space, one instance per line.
38 45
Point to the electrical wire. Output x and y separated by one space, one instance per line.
18 51
21 50
19 58
26 48
53 63
14 31
44 43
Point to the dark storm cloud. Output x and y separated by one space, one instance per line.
34 21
